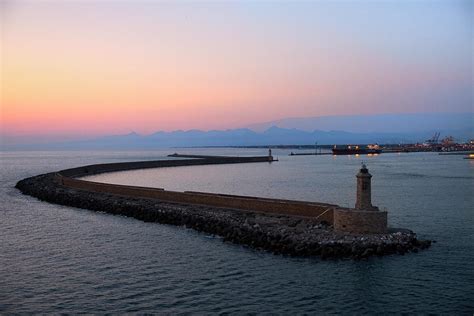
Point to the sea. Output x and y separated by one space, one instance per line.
57 259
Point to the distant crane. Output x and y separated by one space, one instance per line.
433 140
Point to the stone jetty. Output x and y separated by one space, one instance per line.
285 227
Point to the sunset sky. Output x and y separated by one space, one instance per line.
84 68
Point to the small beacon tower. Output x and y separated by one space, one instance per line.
270 157
364 218
364 190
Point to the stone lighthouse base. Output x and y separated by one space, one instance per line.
360 221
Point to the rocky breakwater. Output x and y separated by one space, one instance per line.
276 233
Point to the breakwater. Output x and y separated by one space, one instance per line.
280 226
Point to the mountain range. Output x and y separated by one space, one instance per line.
376 123
382 129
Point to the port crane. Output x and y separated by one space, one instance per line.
433 140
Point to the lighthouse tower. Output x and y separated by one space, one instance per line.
364 195
364 218
270 157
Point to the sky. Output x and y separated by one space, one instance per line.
85 68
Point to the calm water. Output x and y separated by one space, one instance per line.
61 259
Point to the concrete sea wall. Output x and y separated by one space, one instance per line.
133 165
67 178
273 206
321 211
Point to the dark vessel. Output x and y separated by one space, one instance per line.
356 150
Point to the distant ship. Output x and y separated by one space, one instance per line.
356 150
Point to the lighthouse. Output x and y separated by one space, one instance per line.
364 218
364 190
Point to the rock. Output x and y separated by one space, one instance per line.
379 250
400 249
326 252
424 244
367 253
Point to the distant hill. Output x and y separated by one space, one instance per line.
378 123
382 129
237 137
